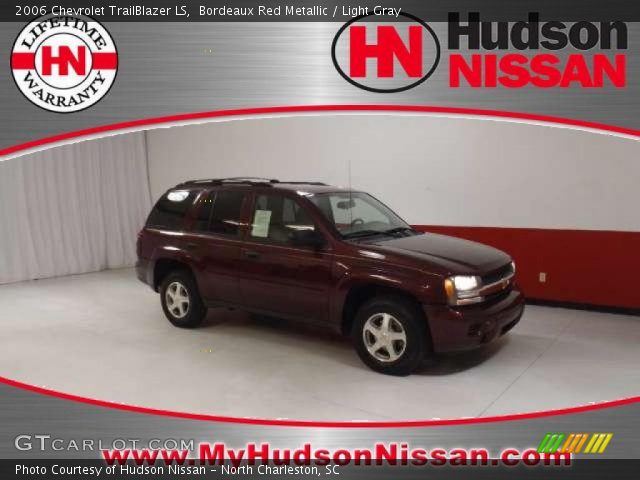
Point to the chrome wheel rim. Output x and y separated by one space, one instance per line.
177 300
384 337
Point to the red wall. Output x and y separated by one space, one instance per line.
582 266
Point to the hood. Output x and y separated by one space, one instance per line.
452 255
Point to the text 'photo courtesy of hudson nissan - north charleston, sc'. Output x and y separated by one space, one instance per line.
331 256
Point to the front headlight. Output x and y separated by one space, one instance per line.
463 289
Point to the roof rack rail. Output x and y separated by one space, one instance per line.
233 180
303 183
245 181
261 179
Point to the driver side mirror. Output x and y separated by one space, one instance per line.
307 238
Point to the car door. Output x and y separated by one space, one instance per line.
215 244
276 275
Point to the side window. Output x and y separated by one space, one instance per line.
204 212
170 210
226 212
275 217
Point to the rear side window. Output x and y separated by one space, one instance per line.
204 212
220 213
171 209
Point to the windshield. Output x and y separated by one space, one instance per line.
358 214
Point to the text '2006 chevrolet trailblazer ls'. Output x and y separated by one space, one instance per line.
331 256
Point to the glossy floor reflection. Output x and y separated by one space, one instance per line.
104 336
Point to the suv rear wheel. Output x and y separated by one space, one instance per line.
181 301
390 335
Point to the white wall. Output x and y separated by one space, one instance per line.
431 170
72 209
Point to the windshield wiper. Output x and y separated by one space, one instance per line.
393 231
364 233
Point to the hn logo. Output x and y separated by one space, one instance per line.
410 45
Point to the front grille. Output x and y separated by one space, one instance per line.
497 275
498 296
497 284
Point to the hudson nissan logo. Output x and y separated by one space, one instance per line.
64 64
379 56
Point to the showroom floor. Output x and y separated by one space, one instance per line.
103 335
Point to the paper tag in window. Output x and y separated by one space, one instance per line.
261 221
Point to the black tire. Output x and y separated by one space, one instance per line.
405 319
188 314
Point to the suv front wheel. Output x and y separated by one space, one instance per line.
181 301
390 335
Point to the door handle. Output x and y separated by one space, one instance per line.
251 254
191 246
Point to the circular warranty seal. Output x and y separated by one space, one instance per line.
64 64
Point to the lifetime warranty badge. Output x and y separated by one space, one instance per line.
64 64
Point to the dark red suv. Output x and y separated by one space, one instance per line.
330 256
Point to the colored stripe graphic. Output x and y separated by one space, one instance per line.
543 443
573 442
606 442
101 61
551 442
590 444
105 61
558 442
571 439
580 444
598 443
23 61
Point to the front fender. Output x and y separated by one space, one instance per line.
424 287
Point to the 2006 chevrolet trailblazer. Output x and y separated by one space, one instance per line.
327 255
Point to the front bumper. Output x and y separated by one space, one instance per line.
464 328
